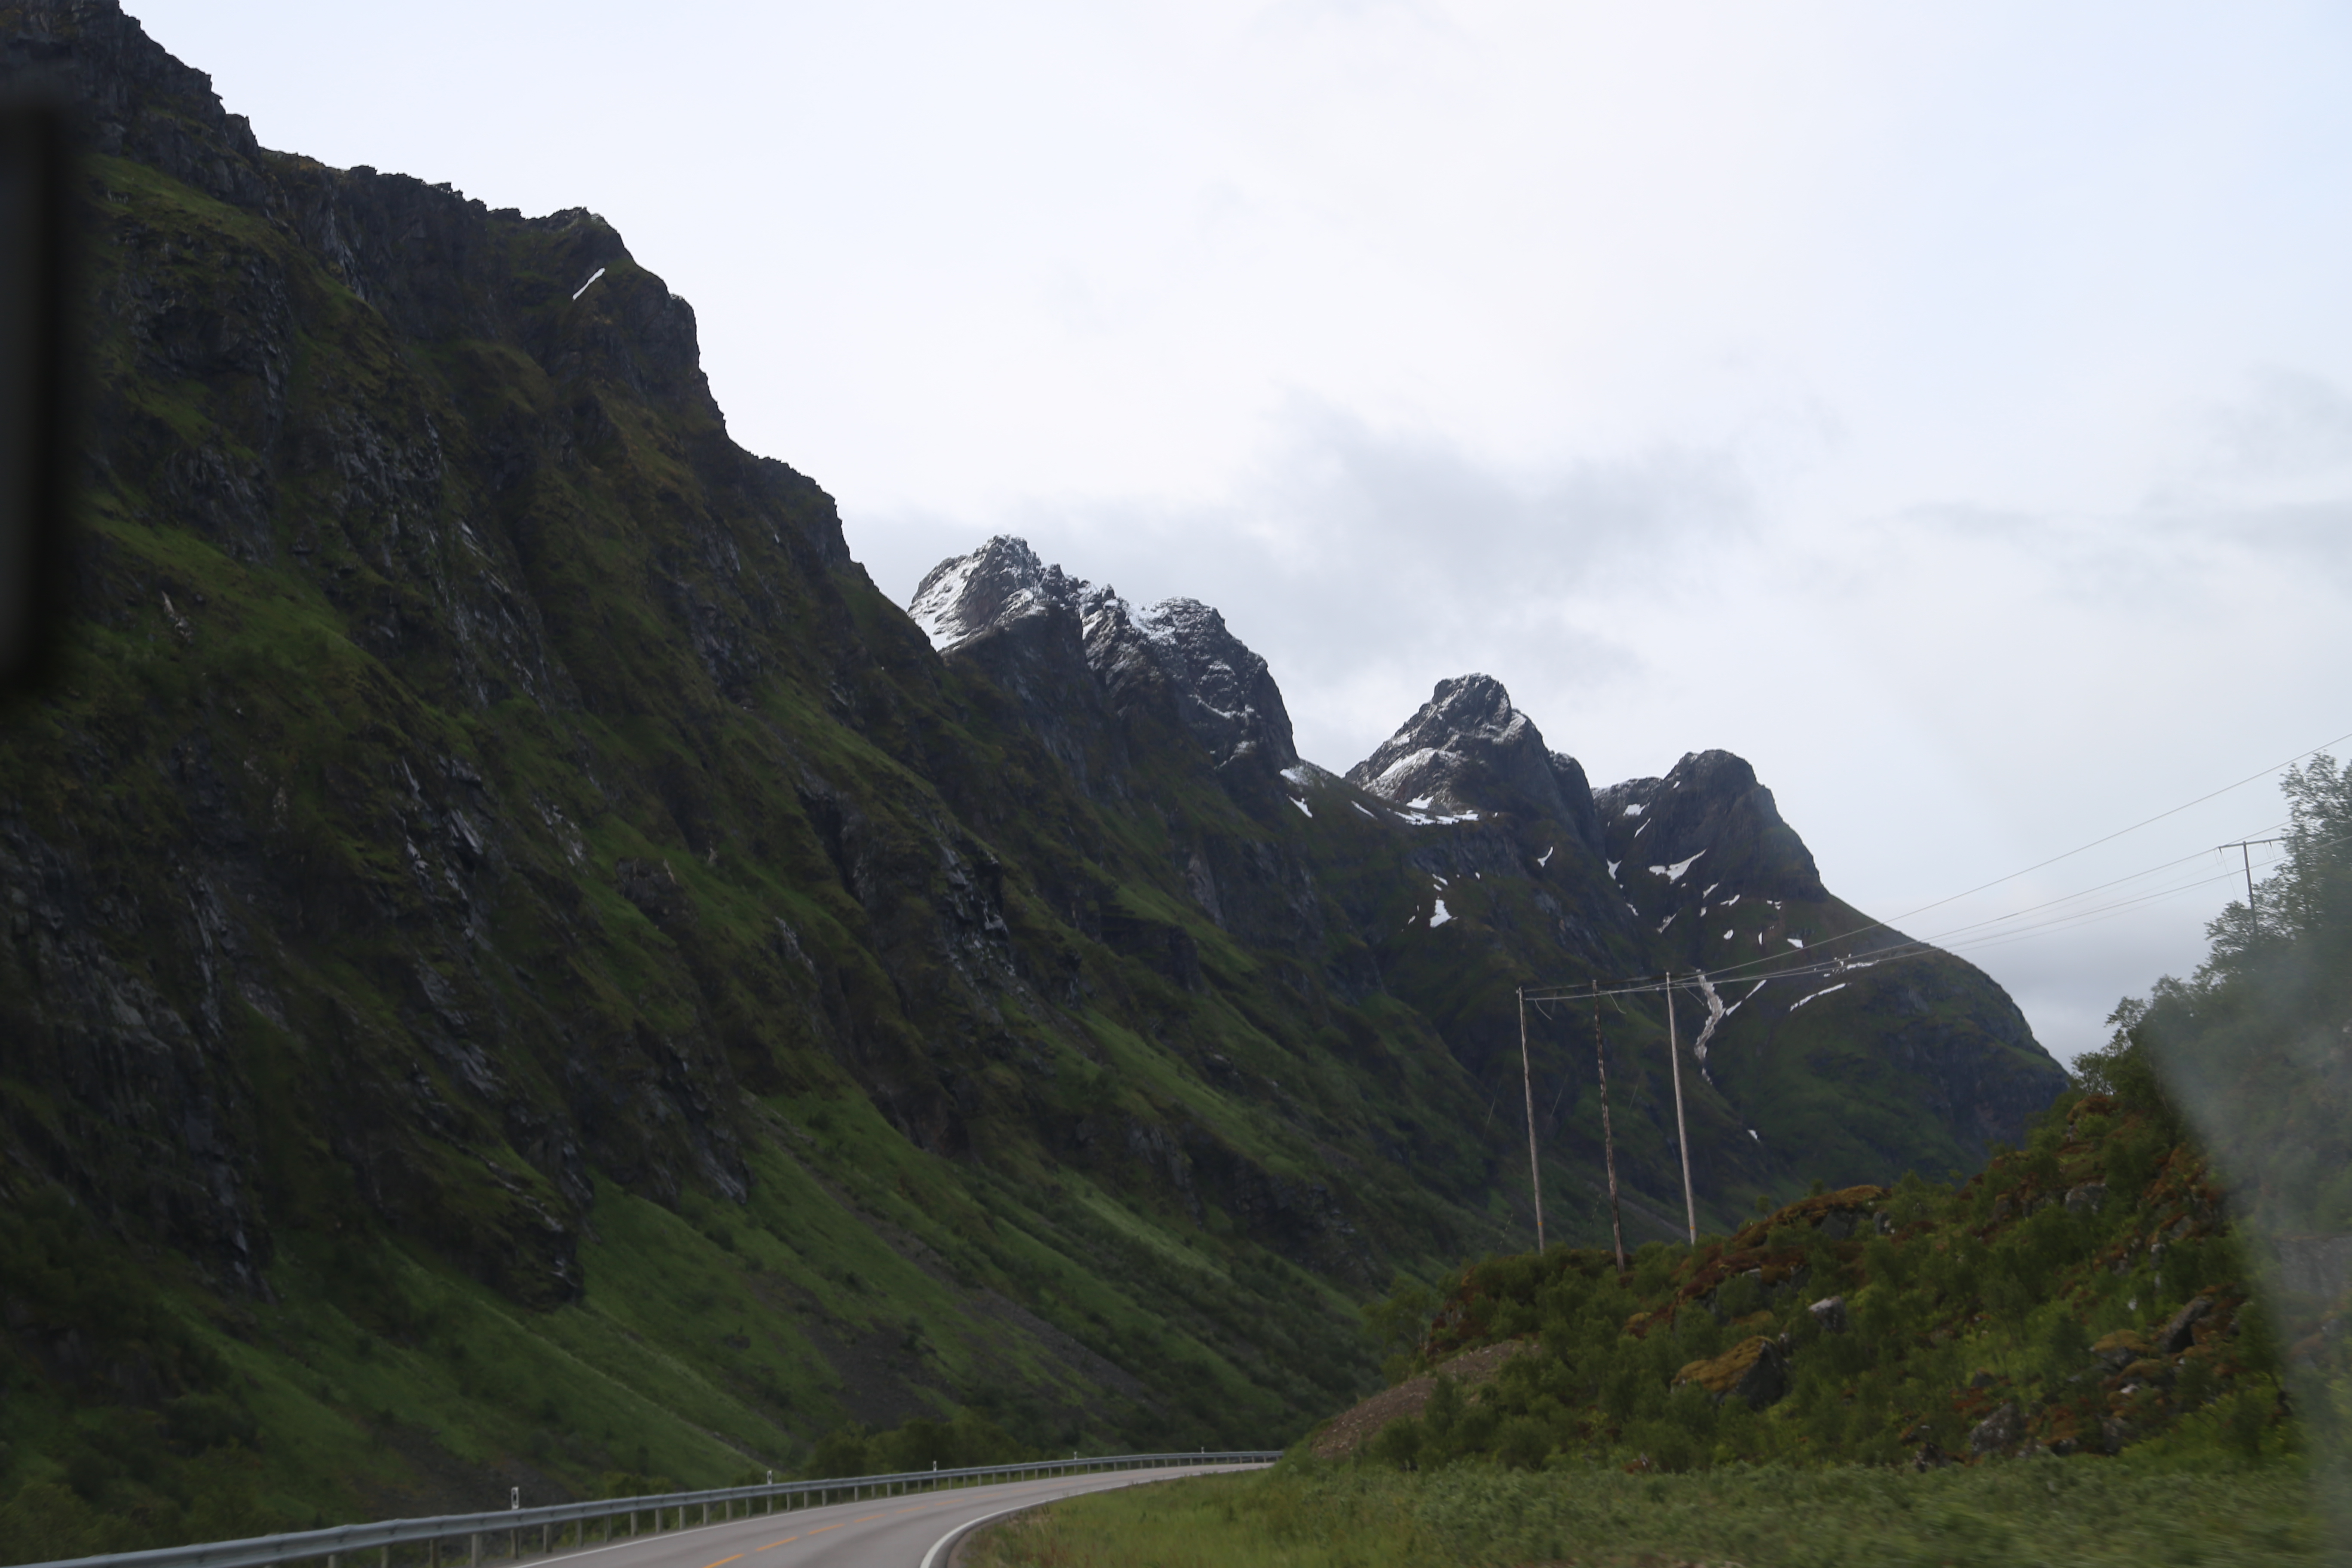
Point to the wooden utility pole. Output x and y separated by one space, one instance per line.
1608 1139
1682 1133
1527 1085
2245 848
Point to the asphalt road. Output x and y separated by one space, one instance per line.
880 1532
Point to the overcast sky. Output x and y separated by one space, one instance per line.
1948 409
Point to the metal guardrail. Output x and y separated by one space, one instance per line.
554 1522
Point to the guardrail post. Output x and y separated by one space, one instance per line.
474 1550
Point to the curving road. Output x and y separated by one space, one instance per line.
880 1532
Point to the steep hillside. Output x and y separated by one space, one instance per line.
524 968
524 965
2082 1296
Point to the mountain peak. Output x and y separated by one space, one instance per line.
1711 801
1002 581
1222 691
1468 748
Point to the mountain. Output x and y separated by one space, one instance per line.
1466 857
524 967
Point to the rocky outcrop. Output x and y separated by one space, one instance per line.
1755 1372
1998 1432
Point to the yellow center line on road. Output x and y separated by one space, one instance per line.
869 1518
787 1541
821 1528
723 1561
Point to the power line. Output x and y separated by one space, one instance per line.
2134 827
1943 942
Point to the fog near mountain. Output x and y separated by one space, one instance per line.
1947 412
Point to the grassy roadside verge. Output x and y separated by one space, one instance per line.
2042 1512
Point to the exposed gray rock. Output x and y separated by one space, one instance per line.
1998 1431
2181 1332
1830 1313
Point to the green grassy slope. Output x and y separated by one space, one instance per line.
1305 1516
2083 1295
